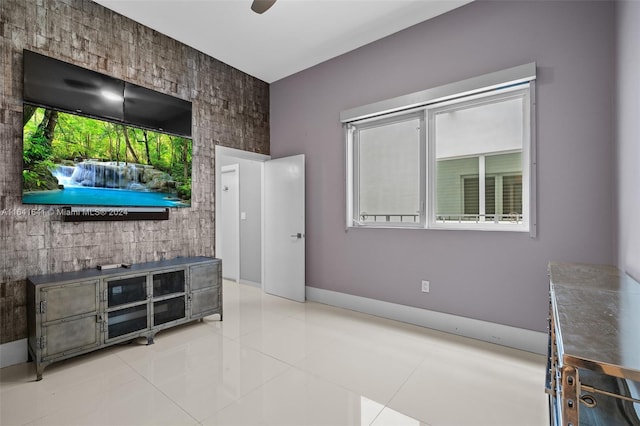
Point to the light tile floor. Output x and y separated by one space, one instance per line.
276 362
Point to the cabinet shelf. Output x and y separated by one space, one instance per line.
125 306
169 296
78 312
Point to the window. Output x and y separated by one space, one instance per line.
462 161
478 147
388 157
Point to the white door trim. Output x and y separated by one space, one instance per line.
235 169
244 155
262 225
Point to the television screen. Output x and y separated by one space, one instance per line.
70 159
67 87
148 108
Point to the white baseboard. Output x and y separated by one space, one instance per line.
13 353
532 341
527 340
251 283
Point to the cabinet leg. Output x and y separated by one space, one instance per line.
150 340
39 371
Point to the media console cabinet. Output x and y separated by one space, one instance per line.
593 375
72 313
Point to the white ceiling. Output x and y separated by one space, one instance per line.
291 36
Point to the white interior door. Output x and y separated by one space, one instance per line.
229 250
284 228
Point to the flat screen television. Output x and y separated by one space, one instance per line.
93 140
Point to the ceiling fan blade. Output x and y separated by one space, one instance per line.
261 6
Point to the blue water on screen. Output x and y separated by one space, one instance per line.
80 196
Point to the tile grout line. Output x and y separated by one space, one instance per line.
197 422
386 405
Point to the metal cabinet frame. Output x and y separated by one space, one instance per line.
594 346
68 313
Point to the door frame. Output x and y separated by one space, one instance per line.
235 170
244 155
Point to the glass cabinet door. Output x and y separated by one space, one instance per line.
168 310
127 320
168 283
126 290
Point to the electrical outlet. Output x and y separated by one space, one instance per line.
425 286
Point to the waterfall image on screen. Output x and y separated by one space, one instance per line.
70 159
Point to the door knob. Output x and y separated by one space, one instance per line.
298 235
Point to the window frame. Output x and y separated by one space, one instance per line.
511 92
516 81
354 140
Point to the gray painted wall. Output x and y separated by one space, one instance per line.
628 134
250 228
493 276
